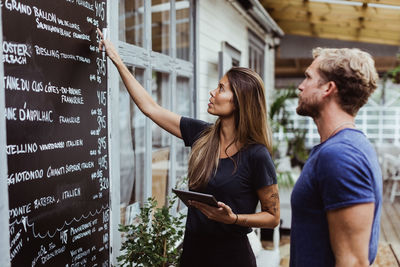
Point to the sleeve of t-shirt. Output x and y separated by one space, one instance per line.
262 168
343 176
191 129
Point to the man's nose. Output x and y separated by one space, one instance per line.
301 86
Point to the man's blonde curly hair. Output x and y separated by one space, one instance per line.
353 72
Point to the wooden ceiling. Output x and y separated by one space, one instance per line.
363 23
295 67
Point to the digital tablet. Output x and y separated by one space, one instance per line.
185 196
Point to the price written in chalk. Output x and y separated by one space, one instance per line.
101 66
100 9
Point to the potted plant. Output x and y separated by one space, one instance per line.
154 240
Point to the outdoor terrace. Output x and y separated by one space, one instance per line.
389 252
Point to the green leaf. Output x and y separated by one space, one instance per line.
152 241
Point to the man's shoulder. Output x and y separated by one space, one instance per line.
335 149
351 142
340 156
346 158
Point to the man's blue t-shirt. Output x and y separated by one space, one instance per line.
340 172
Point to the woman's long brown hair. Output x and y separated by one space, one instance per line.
250 122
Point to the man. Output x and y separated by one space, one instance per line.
336 203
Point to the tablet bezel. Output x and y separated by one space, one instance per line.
185 196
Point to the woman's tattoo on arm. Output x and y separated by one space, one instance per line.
270 204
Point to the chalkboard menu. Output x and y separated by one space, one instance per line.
55 84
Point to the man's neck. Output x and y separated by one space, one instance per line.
331 122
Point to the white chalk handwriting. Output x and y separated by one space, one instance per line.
69 120
71 193
22 148
100 10
19 211
72 99
15 53
42 51
44 201
14 5
85 4
27 114
23 176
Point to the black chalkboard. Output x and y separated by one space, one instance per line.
55 81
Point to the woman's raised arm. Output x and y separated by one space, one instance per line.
164 118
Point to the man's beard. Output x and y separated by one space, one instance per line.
308 107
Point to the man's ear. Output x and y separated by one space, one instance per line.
330 88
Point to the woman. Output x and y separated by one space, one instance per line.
229 160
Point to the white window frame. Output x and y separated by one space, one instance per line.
148 60
256 49
145 58
228 57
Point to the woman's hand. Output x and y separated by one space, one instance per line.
110 49
222 214
267 218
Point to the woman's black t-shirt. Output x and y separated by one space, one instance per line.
238 189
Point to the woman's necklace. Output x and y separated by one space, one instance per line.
341 125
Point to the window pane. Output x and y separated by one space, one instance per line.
256 54
256 59
183 29
183 97
161 140
251 60
183 107
138 132
160 11
131 21
132 146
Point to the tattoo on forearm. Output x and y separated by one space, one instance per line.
270 204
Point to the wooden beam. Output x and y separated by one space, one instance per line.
308 17
382 2
295 67
327 8
342 32
339 20
347 38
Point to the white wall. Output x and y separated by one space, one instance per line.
220 21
